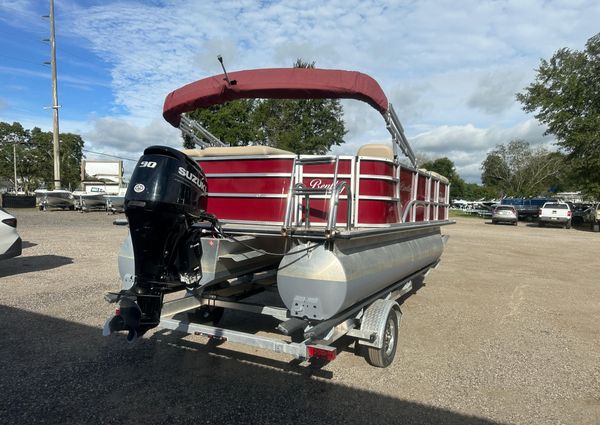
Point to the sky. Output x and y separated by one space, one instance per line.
450 68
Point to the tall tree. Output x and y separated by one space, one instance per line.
34 156
232 122
446 168
566 97
517 169
11 134
300 126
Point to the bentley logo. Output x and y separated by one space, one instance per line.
318 184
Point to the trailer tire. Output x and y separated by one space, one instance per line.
384 356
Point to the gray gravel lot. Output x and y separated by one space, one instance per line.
505 330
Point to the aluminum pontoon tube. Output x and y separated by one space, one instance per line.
319 283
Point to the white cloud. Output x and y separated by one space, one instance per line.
62 78
467 145
495 92
124 136
450 69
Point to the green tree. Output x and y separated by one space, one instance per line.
35 166
566 97
446 168
11 134
517 169
301 126
232 122
475 192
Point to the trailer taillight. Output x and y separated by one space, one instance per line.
321 352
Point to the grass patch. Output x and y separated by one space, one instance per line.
461 214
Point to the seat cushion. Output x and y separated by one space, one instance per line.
236 151
377 150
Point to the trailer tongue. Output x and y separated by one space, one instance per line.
337 239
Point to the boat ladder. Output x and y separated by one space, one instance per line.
299 190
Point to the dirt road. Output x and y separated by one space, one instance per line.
505 330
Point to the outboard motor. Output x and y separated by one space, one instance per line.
167 193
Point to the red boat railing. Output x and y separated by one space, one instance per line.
318 193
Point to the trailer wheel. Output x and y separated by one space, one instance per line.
206 314
384 356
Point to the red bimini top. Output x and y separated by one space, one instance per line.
274 83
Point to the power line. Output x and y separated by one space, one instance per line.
112 156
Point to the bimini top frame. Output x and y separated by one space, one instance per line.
286 83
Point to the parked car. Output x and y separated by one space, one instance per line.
527 208
555 213
592 216
10 241
582 213
505 214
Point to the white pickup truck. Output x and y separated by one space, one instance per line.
555 213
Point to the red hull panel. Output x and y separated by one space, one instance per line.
242 165
252 209
249 185
254 190
377 212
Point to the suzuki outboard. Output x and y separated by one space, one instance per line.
167 194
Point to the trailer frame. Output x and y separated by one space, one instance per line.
364 321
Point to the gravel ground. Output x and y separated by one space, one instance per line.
505 330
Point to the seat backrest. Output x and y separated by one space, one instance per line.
236 151
378 150
441 178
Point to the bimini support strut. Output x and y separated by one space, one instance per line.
192 128
399 140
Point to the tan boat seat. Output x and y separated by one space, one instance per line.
437 175
236 151
377 150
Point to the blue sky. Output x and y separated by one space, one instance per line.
450 68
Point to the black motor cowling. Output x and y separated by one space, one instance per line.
167 193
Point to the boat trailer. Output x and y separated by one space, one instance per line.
374 322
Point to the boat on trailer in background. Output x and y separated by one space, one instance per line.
57 198
94 199
339 238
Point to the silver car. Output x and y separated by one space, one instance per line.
505 214
10 242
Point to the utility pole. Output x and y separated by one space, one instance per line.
15 164
54 101
12 138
